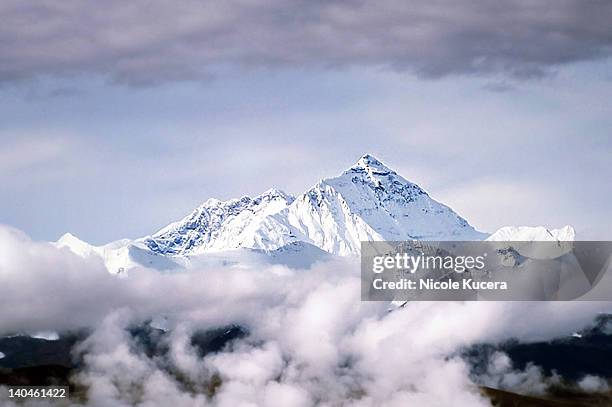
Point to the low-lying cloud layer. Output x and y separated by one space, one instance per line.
311 342
147 42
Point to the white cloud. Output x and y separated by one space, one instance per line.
502 375
590 383
311 338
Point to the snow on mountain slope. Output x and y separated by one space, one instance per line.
76 245
366 202
533 234
369 201
297 255
218 225
118 256
520 238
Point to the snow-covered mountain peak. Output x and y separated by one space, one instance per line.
369 170
74 244
271 194
68 238
372 173
219 225
370 165
369 201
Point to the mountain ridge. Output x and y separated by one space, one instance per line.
367 202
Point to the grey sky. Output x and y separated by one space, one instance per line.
144 41
501 112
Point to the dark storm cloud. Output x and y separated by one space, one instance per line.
154 41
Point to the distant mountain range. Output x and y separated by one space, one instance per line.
367 202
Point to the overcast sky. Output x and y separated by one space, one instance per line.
115 121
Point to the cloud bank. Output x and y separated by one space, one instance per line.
311 342
156 41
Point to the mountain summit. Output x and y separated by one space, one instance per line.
368 201
370 164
